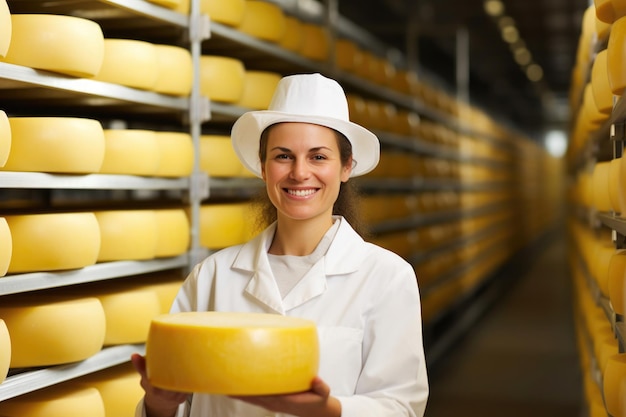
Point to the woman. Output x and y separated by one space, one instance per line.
311 263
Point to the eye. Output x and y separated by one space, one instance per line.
282 156
319 157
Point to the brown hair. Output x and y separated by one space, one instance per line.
346 204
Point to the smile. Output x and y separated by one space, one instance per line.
302 193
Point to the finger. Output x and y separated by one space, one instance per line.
320 388
139 363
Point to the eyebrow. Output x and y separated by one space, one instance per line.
316 149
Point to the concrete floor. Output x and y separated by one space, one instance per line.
520 358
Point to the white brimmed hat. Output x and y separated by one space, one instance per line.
306 98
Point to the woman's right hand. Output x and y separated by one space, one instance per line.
158 402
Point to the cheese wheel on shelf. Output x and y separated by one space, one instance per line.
6 246
5 350
223 225
221 78
617 287
44 329
127 234
170 4
263 20
217 156
232 353
165 290
64 44
315 44
5 28
258 89
5 138
129 62
176 154
348 55
612 381
292 38
614 167
173 232
616 56
229 12
130 152
175 70
604 10
53 241
63 400
55 144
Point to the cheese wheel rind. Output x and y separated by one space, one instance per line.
176 154
59 400
5 350
5 28
127 234
232 353
175 70
129 62
130 152
6 246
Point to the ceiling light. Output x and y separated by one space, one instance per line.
505 21
534 72
493 7
510 34
522 56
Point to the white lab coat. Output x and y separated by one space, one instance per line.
365 302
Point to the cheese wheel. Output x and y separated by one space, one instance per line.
55 144
176 154
613 379
221 78
258 89
229 12
292 38
5 138
173 232
165 291
129 62
614 167
617 271
348 55
62 400
175 70
53 241
5 28
604 10
619 6
170 4
217 156
222 225
5 350
127 235
263 20
315 44
600 188
232 353
616 56
6 246
600 86
130 152
44 329
65 44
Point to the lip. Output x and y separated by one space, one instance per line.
301 192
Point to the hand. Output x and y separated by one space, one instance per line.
316 402
158 402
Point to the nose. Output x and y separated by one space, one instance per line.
300 169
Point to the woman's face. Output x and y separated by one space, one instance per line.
303 170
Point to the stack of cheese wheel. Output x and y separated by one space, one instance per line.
218 158
258 89
232 353
5 350
59 400
348 55
5 138
221 78
53 241
130 152
229 12
292 38
64 44
44 329
6 246
5 28
176 154
315 43
263 20
173 232
127 234
129 62
175 70
613 380
223 225
55 144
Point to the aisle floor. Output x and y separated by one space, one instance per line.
520 358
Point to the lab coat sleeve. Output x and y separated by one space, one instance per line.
393 381
183 409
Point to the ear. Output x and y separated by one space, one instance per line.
263 170
346 170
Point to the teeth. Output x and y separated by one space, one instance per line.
301 193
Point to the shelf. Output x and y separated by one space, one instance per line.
29 381
14 284
426 184
616 223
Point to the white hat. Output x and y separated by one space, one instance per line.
306 98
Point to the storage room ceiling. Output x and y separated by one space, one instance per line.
500 78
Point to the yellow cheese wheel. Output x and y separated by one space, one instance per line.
617 271
221 78
165 290
619 6
217 156
62 400
129 62
5 138
176 154
127 234
600 86
258 89
170 4
604 10
405 122
53 241
119 387
175 70
6 246
616 56
263 20
614 167
229 12
5 350
184 6
130 152
223 225
173 232
55 144
49 330
5 28
315 44
292 38
64 44
348 55
232 353
600 187
614 377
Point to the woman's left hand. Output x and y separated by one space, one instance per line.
317 402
